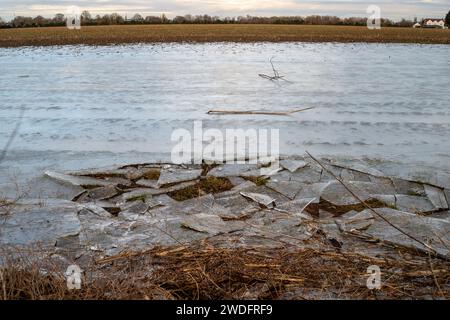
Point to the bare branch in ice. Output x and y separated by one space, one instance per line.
276 75
13 135
262 112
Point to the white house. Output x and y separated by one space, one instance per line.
433 23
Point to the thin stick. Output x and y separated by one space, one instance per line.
275 72
434 276
276 75
372 210
274 113
2 279
13 135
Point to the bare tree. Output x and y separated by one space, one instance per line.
39 21
116 18
21 21
179 19
86 17
152 19
137 18
59 18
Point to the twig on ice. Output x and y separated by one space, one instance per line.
262 112
276 75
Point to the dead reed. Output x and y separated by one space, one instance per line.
207 272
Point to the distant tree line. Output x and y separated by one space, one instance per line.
115 19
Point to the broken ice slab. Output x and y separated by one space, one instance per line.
419 174
100 193
306 175
359 166
148 183
209 223
159 200
262 199
102 172
264 190
120 182
352 175
85 182
408 187
287 188
98 210
436 196
414 204
177 175
108 206
41 187
330 173
444 215
312 191
389 200
353 220
297 208
235 181
138 173
292 165
231 170
447 195
236 206
338 195
272 224
205 204
140 193
433 232
243 186
138 207
145 192
439 179
153 202
40 223
332 232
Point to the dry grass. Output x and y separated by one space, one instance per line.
208 185
206 272
207 167
103 35
152 174
259 181
343 209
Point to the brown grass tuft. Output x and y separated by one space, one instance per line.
205 186
340 210
152 174
205 272
259 181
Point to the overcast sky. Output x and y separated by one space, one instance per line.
394 9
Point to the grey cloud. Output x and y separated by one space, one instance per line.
390 8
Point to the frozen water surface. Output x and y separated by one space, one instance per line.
95 106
